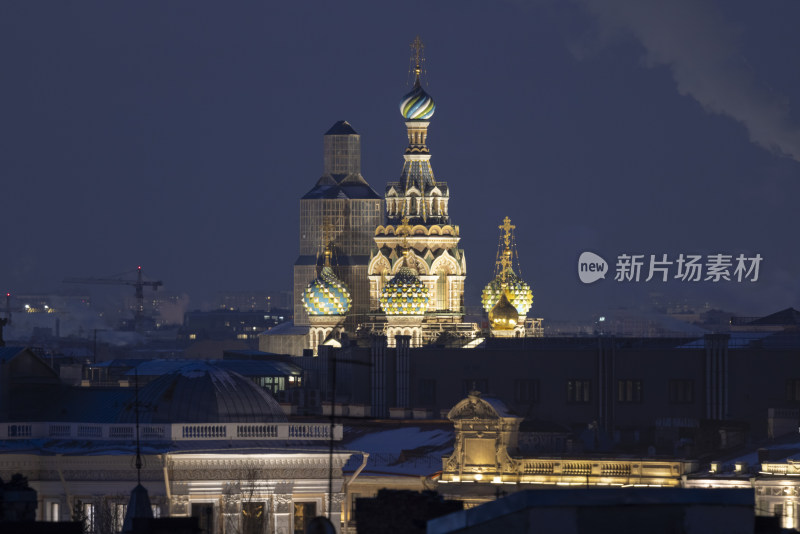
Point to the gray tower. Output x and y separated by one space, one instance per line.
344 209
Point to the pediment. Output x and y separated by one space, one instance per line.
473 407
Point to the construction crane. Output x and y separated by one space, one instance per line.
139 285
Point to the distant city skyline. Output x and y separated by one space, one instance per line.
181 138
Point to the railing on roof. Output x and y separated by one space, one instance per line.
172 432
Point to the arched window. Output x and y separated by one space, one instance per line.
441 292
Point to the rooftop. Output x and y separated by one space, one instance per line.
341 128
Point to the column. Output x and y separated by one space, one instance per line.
378 382
231 508
402 371
282 513
716 346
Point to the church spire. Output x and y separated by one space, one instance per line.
417 185
417 105
504 263
506 281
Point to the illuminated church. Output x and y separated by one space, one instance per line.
363 272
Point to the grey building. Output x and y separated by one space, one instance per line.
341 209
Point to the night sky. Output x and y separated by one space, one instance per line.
180 136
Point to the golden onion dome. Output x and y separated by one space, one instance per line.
517 290
503 316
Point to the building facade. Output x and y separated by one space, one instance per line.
418 236
213 444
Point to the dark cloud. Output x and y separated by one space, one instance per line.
702 51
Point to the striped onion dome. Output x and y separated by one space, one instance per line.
404 294
417 105
326 295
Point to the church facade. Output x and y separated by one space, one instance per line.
398 258
419 237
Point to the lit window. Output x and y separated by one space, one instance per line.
119 515
53 511
303 513
88 517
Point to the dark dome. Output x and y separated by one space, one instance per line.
201 393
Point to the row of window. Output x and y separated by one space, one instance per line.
578 391
98 519
94 518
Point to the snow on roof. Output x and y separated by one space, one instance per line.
499 407
413 449
402 438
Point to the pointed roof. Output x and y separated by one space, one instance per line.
138 508
353 187
8 353
341 128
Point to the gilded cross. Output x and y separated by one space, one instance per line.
405 229
505 255
507 227
417 54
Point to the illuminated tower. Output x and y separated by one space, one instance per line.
417 213
344 204
507 298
